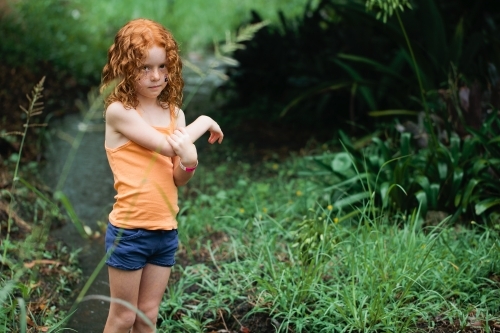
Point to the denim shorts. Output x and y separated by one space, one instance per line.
132 249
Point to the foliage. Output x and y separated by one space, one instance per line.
461 178
275 253
324 63
37 274
262 246
277 244
50 31
284 62
74 35
396 175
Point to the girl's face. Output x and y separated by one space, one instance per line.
153 74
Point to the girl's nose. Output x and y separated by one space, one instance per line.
155 75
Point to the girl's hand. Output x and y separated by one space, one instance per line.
216 134
183 146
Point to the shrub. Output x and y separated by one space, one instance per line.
329 68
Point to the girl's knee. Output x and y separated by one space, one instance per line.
151 313
123 319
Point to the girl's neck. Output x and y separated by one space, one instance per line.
148 103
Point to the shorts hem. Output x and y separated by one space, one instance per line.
162 264
123 268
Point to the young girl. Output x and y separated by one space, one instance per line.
151 152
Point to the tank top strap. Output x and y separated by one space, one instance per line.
173 123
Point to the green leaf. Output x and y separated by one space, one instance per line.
38 193
347 201
391 113
458 175
384 194
434 195
385 191
319 89
455 148
495 140
376 65
424 184
382 148
22 315
484 205
405 144
422 200
341 162
469 190
469 148
71 212
479 166
7 289
367 94
442 170
358 177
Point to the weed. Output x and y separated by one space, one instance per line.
30 262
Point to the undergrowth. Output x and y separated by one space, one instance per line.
261 248
37 274
272 244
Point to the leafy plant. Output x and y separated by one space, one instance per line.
461 178
34 109
324 63
26 251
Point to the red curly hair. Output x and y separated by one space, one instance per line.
125 58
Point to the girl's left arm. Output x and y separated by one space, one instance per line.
189 159
182 177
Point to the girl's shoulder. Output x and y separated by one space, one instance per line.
178 112
117 110
180 118
116 106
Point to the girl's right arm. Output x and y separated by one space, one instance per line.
126 124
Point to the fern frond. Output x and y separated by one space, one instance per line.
193 67
219 74
248 32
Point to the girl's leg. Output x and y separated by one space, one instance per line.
123 285
153 283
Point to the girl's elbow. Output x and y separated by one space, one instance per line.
180 183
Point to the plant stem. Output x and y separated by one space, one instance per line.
31 111
422 91
15 178
32 105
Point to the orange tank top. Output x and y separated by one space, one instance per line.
146 195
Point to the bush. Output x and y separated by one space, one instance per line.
461 179
332 66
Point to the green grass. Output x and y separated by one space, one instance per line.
37 274
259 234
259 242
